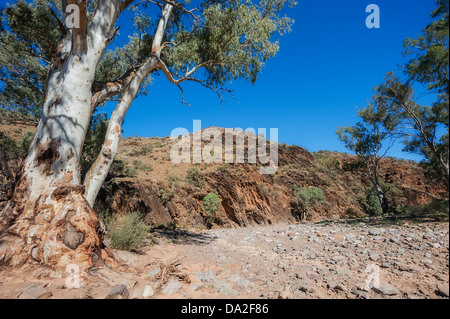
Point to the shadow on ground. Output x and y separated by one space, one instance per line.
388 220
180 236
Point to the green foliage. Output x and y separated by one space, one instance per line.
9 144
436 209
173 180
166 196
195 178
93 142
145 150
325 161
127 232
117 169
263 187
25 142
309 196
131 172
223 168
430 52
141 166
239 36
19 149
28 42
370 202
211 204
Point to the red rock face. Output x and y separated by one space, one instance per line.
249 198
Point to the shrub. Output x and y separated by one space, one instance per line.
132 172
141 166
264 188
165 195
223 168
127 232
173 180
437 209
309 196
25 142
117 168
211 204
195 178
145 150
327 162
370 202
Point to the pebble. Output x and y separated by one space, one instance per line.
172 287
35 292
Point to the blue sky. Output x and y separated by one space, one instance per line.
326 68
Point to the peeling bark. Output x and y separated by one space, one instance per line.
48 220
97 173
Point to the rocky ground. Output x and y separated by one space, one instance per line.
307 260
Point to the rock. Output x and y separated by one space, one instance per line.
223 286
427 261
148 292
374 257
341 287
331 285
285 294
135 294
35 292
361 287
172 287
443 290
207 276
394 240
375 231
360 294
196 287
239 280
118 292
302 285
386 290
154 272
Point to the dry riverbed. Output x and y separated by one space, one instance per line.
308 260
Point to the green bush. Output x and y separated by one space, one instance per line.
437 209
131 172
327 162
173 180
127 232
264 188
145 150
211 204
141 166
369 202
25 142
309 196
165 195
195 178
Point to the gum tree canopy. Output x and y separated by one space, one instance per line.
62 59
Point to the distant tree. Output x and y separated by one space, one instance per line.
424 129
211 42
371 138
429 66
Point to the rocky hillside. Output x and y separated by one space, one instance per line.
168 193
306 186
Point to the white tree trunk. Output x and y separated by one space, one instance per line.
99 170
48 220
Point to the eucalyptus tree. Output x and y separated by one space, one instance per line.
371 138
212 42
